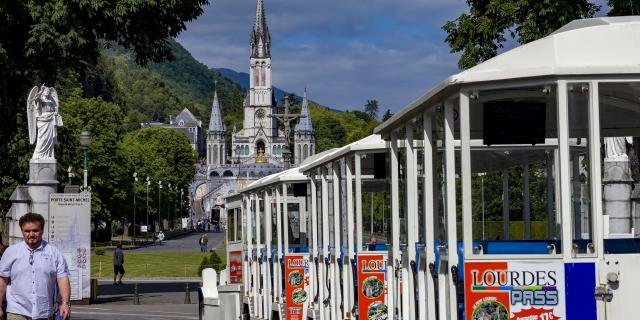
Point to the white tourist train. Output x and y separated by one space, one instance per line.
509 191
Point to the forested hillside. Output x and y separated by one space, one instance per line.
164 89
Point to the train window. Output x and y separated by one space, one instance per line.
376 201
513 170
620 138
580 173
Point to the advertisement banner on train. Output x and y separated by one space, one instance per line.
514 290
372 286
297 285
235 267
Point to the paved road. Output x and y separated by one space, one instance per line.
135 312
186 243
158 300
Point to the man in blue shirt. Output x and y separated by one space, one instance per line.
30 272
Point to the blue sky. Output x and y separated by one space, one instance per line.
345 52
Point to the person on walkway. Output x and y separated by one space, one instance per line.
205 243
161 237
118 264
200 243
30 271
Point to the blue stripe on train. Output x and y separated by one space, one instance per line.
580 284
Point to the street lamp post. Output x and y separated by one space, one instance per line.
159 219
148 184
169 205
85 142
181 201
482 174
135 180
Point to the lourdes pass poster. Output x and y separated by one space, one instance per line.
297 286
514 290
372 286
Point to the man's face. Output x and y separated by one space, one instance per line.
32 233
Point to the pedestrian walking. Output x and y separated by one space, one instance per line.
200 243
161 237
205 243
31 272
118 264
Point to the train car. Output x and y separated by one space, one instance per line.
509 191
524 170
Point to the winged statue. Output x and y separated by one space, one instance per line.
43 119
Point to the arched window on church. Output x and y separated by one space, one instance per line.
305 152
298 154
221 154
262 75
215 155
256 75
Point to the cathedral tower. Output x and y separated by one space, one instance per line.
216 136
260 90
304 136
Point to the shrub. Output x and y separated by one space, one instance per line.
205 263
212 261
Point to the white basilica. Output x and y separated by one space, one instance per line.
257 149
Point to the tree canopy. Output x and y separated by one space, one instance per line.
50 41
371 108
490 24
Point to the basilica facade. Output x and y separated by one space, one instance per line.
258 149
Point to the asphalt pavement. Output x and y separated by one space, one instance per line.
159 299
186 243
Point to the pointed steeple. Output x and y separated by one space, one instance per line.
304 124
215 122
260 38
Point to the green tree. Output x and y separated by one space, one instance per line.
371 108
623 7
387 115
42 40
161 154
486 28
108 174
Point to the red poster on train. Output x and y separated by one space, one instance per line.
515 290
297 276
235 267
372 286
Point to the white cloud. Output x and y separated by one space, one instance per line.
345 51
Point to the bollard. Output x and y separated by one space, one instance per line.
187 295
136 294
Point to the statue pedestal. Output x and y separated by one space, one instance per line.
616 195
33 197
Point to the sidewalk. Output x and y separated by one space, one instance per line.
150 292
145 242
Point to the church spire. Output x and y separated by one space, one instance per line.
260 38
304 124
215 122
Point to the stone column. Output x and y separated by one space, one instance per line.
617 184
42 182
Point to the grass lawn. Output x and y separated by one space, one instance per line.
151 265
